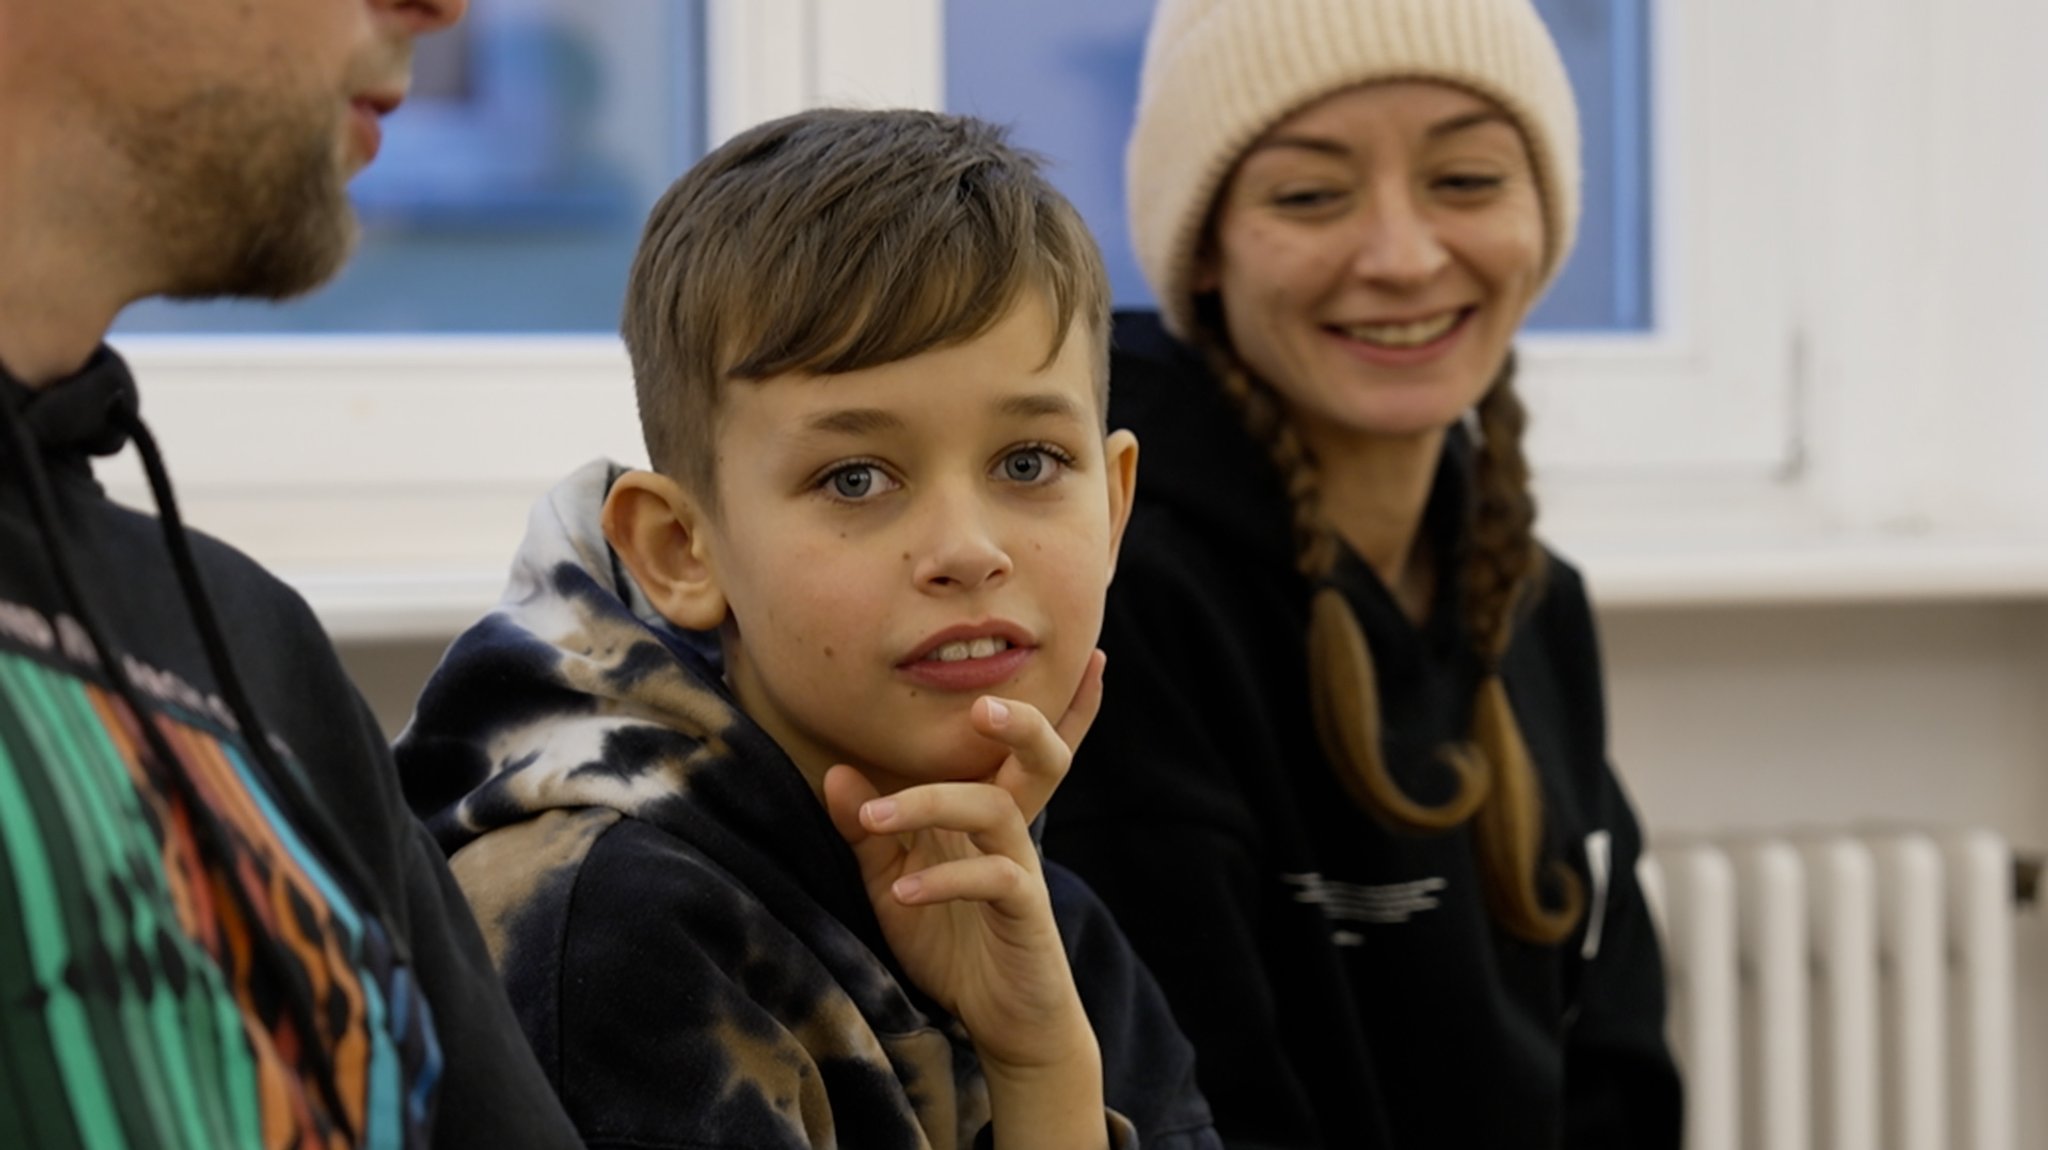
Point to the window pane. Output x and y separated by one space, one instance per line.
1064 73
511 187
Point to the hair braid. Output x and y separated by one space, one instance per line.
1343 689
1498 788
1504 568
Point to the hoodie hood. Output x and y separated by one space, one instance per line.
574 694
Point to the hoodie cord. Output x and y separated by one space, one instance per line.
212 837
310 816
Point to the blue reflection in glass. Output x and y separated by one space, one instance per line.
511 188
1064 74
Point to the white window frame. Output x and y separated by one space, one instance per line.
1680 464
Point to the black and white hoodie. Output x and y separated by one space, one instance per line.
684 935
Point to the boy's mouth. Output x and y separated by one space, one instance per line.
964 641
969 657
961 650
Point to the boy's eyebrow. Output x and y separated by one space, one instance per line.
854 421
1040 404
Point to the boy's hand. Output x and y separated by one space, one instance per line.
1040 752
959 890
958 887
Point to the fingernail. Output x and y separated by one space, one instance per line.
879 811
998 714
908 887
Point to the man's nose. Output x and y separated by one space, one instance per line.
420 17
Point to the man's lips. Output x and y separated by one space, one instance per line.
366 113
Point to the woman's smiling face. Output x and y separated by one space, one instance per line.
1375 253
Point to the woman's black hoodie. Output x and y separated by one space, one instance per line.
1343 982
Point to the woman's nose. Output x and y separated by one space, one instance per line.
1398 243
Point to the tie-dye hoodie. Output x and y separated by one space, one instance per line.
684 935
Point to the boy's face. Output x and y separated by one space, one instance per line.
893 543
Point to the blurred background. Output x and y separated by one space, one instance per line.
1790 397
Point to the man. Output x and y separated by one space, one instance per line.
219 927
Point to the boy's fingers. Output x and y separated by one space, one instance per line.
1042 751
1038 756
992 879
987 815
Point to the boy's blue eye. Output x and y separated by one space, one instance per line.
856 481
1024 467
1032 465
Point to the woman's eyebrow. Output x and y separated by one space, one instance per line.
1325 146
1320 145
1467 121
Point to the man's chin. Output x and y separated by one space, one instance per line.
280 262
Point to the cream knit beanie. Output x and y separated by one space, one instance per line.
1219 73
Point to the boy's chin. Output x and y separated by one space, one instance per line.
967 759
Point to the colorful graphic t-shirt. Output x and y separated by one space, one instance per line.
155 937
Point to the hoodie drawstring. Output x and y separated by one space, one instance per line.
213 837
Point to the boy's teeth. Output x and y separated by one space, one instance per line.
961 649
1404 334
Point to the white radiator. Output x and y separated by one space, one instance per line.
1839 992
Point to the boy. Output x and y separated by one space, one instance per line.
738 776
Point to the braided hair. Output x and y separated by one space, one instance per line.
1498 790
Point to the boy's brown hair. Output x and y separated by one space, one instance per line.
836 240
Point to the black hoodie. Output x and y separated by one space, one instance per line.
1343 983
219 927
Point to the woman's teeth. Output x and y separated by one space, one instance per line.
1405 334
968 649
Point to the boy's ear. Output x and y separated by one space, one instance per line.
1120 464
660 533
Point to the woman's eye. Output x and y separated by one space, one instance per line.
1031 465
1469 185
1304 198
856 482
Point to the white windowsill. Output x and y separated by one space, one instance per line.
434 603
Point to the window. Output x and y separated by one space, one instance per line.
1617 364
512 186
1668 361
1064 74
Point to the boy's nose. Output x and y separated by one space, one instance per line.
963 553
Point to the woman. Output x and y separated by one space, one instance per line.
1349 794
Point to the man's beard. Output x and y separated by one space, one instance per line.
245 194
